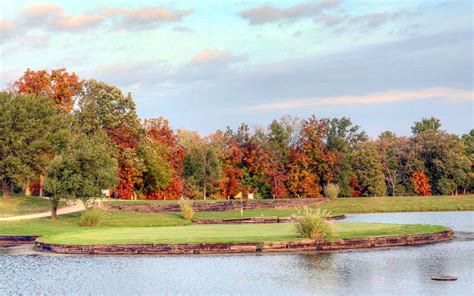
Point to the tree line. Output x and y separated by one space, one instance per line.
65 136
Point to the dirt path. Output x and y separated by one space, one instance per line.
72 209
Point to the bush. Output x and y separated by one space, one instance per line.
186 209
331 190
90 218
314 224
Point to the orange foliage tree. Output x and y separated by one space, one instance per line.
58 85
231 182
421 183
311 165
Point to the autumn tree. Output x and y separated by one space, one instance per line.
311 165
59 86
257 164
421 183
159 130
231 181
105 107
283 134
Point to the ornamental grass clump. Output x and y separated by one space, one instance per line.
315 224
331 190
186 209
90 218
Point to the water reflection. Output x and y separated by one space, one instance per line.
401 271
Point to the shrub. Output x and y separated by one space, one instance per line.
186 209
90 218
314 224
331 190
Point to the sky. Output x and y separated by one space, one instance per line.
205 65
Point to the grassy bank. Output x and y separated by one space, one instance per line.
226 233
400 204
21 205
69 223
364 205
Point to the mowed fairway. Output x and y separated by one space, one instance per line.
224 233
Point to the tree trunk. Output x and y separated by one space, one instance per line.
41 181
204 190
6 190
391 182
26 188
54 212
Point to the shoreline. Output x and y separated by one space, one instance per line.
366 243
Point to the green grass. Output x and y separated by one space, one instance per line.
21 205
362 205
400 204
225 233
69 223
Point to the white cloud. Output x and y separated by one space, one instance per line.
391 96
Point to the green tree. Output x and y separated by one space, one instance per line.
426 124
105 106
280 138
202 166
32 131
341 138
390 149
81 170
469 144
156 170
367 165
444 157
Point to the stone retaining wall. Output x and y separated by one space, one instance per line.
217 206
13 240
232 248
255 220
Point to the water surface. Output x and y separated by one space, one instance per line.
400 271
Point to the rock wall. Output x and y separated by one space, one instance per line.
13 240
217 206
255 220
231 248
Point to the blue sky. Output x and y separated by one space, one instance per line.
205 65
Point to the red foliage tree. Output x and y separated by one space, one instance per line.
278 181
421 183
59 86
159 130
231 182
356 187
126 141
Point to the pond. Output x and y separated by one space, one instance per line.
397 271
